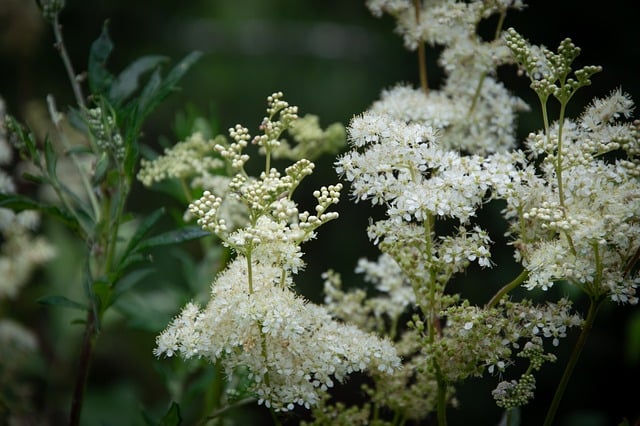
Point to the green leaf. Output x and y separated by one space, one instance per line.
128 80
130 280
174 237
172 417
103 292
37 179
27 142
133 259
157 89
100 79
142 230
61 301
20 203
101 168
51 159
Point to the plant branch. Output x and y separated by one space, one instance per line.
507 288
422 53
88 342
73 77
577 350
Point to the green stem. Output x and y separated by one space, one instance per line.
442 398
507 288
214 391
114 225
559 155
422 52
73 77
577 349
223 410
483 76
249 271
88 343
56 119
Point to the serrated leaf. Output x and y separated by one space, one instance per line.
174 237
99 78
61 301
128 80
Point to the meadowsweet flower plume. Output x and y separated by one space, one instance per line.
433 156
293 349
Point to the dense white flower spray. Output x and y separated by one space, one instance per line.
293 349
432 156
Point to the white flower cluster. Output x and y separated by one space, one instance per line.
588 233
189 159
476 110
292 349
21 252
572 197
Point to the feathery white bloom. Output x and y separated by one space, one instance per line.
293 349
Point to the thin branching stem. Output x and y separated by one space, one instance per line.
508 288
422 52
88 342
64 55
575 355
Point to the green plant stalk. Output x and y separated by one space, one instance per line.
483 76
432 328
594 305
64 55
56 118
507 288
223 410
422 53
88 343
442 398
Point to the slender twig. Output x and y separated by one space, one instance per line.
88 341
223 410
507 288
73 77
575 354
422 52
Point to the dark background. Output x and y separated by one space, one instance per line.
332 58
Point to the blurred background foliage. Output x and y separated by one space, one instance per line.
331 58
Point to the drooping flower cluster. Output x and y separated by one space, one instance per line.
292 349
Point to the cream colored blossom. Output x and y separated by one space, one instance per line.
293 349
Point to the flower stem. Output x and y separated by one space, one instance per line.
73 77
594 305
507 288
88 342
422 53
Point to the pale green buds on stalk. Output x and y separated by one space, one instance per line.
51 8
